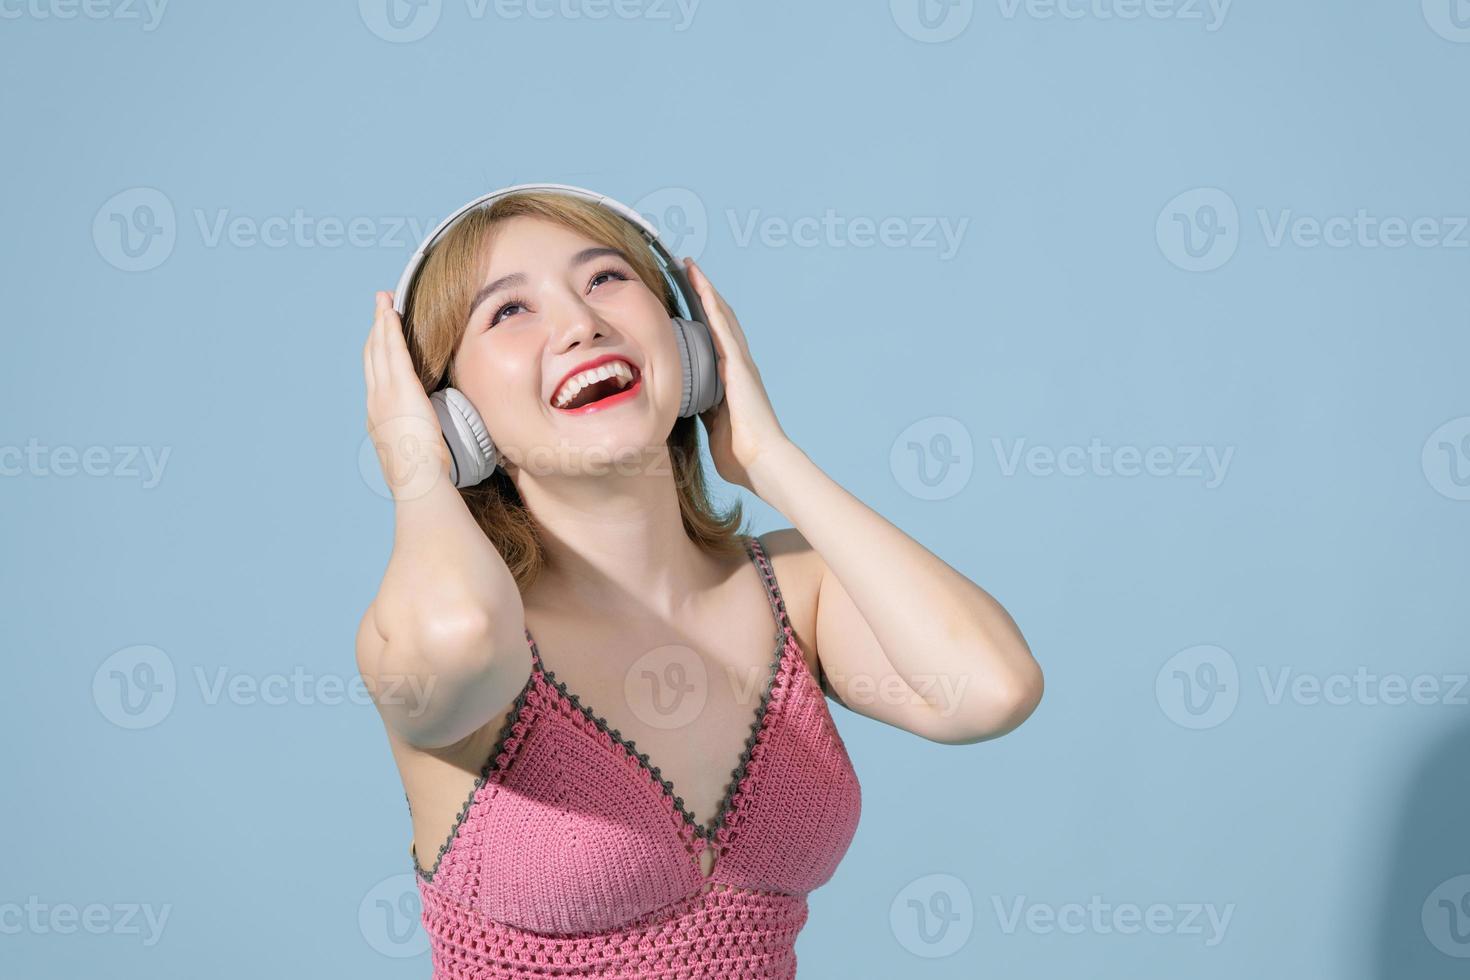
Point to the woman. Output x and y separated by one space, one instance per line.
613 774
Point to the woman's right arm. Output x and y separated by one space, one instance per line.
442 646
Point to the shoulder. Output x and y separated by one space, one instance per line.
798 570
790 547
794 561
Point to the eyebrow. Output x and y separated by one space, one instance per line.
519 279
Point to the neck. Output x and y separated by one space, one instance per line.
615 540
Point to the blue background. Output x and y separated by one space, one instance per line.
1335 541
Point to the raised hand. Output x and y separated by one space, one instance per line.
743 426
401 421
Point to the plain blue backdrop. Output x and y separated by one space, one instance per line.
1183 385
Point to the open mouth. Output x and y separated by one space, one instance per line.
599 388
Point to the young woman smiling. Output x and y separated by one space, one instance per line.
614 773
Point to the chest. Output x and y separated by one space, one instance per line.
577 829
691 703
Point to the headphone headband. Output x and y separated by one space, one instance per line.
670 267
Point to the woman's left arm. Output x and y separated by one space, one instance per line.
902 636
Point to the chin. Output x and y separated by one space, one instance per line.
625 456
594 448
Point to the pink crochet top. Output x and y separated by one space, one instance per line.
573 857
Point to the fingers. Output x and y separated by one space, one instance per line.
393 326
376 347
707 295
716 307
367 358
370 347
713 313
386 350
707 292
399 360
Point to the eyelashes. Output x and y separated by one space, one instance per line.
517 302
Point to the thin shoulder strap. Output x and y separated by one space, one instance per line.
535 653
768 576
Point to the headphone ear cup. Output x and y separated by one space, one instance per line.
472 455
703 389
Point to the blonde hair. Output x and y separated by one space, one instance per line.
435 317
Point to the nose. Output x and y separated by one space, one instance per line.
577 324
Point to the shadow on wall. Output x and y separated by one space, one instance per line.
1424 915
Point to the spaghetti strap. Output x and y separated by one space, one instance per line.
768 576
535 653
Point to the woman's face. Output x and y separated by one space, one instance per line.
551 301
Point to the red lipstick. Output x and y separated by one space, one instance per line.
611 400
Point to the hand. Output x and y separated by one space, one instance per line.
400 419
743 426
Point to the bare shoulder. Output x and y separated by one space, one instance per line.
798 570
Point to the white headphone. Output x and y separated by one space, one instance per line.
473 455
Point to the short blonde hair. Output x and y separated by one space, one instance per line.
436 313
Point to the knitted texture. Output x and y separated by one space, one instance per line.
574 857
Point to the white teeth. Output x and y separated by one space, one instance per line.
582 379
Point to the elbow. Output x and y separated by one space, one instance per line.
423 670
1024 697
436 636
453 635
1005 708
